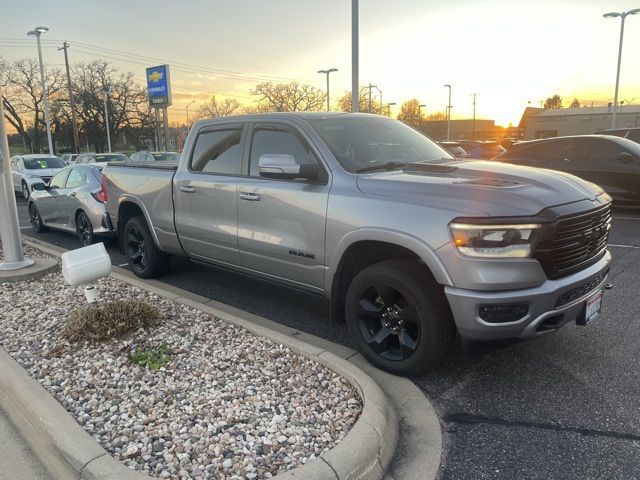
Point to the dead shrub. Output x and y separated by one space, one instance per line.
109 320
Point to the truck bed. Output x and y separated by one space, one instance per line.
162 165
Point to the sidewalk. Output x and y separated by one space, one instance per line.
16 459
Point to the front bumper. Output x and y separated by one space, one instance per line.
543 302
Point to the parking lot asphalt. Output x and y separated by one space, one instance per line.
559 407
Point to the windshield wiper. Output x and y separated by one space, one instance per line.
383 166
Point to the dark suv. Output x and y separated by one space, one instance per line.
632 133
609 161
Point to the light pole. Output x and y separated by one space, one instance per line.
370 87
473 127
449 114
106 92
187 110
9 225
389 108
327 72
36 32
355 89
623 16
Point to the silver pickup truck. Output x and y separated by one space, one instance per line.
412 246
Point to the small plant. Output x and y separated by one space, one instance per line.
109 320
151 356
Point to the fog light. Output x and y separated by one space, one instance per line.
503 313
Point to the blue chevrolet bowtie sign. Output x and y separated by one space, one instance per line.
159 86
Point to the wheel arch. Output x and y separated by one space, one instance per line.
129 207
364 247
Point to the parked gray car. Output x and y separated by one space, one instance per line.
34 169
101 159
69 158
411 245
73 201
144 156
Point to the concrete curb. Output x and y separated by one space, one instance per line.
40 268
68 451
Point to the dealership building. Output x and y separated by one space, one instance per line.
558 122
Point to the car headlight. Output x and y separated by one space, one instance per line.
495 241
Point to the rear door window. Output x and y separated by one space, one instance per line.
76 179
59 180
218 151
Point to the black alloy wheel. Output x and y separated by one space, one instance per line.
84 229
136 249
35 219
388 322
144 257
399 317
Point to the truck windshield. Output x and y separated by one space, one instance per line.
360 142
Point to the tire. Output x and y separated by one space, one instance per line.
144 257
36 219
84 229
25 190
399 318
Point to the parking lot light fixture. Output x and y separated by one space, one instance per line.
187 110
623 16
328 72
36 32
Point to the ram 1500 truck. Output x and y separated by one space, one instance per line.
412 246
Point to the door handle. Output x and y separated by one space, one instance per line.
187 189
251 197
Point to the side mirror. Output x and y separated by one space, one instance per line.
284 166
39 186
625 157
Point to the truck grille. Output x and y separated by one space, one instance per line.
575 242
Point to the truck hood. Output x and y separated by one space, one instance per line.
480 188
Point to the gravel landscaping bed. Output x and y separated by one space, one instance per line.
226 403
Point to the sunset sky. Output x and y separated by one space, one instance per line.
508 52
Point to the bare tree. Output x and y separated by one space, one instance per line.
410 113
216 108
344 103
23 100
437 116
127 102
287 97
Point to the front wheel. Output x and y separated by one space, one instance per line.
25 190
399 318
144 257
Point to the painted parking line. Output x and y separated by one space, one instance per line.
622 246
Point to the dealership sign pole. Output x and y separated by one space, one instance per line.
9 225
159 90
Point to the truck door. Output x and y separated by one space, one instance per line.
206 209
281 223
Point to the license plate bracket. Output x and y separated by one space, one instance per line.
592 309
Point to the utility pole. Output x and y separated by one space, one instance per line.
370 87
355 89
187 110
473 127
106 117
76 141
9 225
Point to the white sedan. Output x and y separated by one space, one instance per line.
29 170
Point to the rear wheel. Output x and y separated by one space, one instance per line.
35 219
25 190
144 257
84 228
399 318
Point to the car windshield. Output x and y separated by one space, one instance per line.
360 142
39 163
165 156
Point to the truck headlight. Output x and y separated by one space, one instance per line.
495 241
